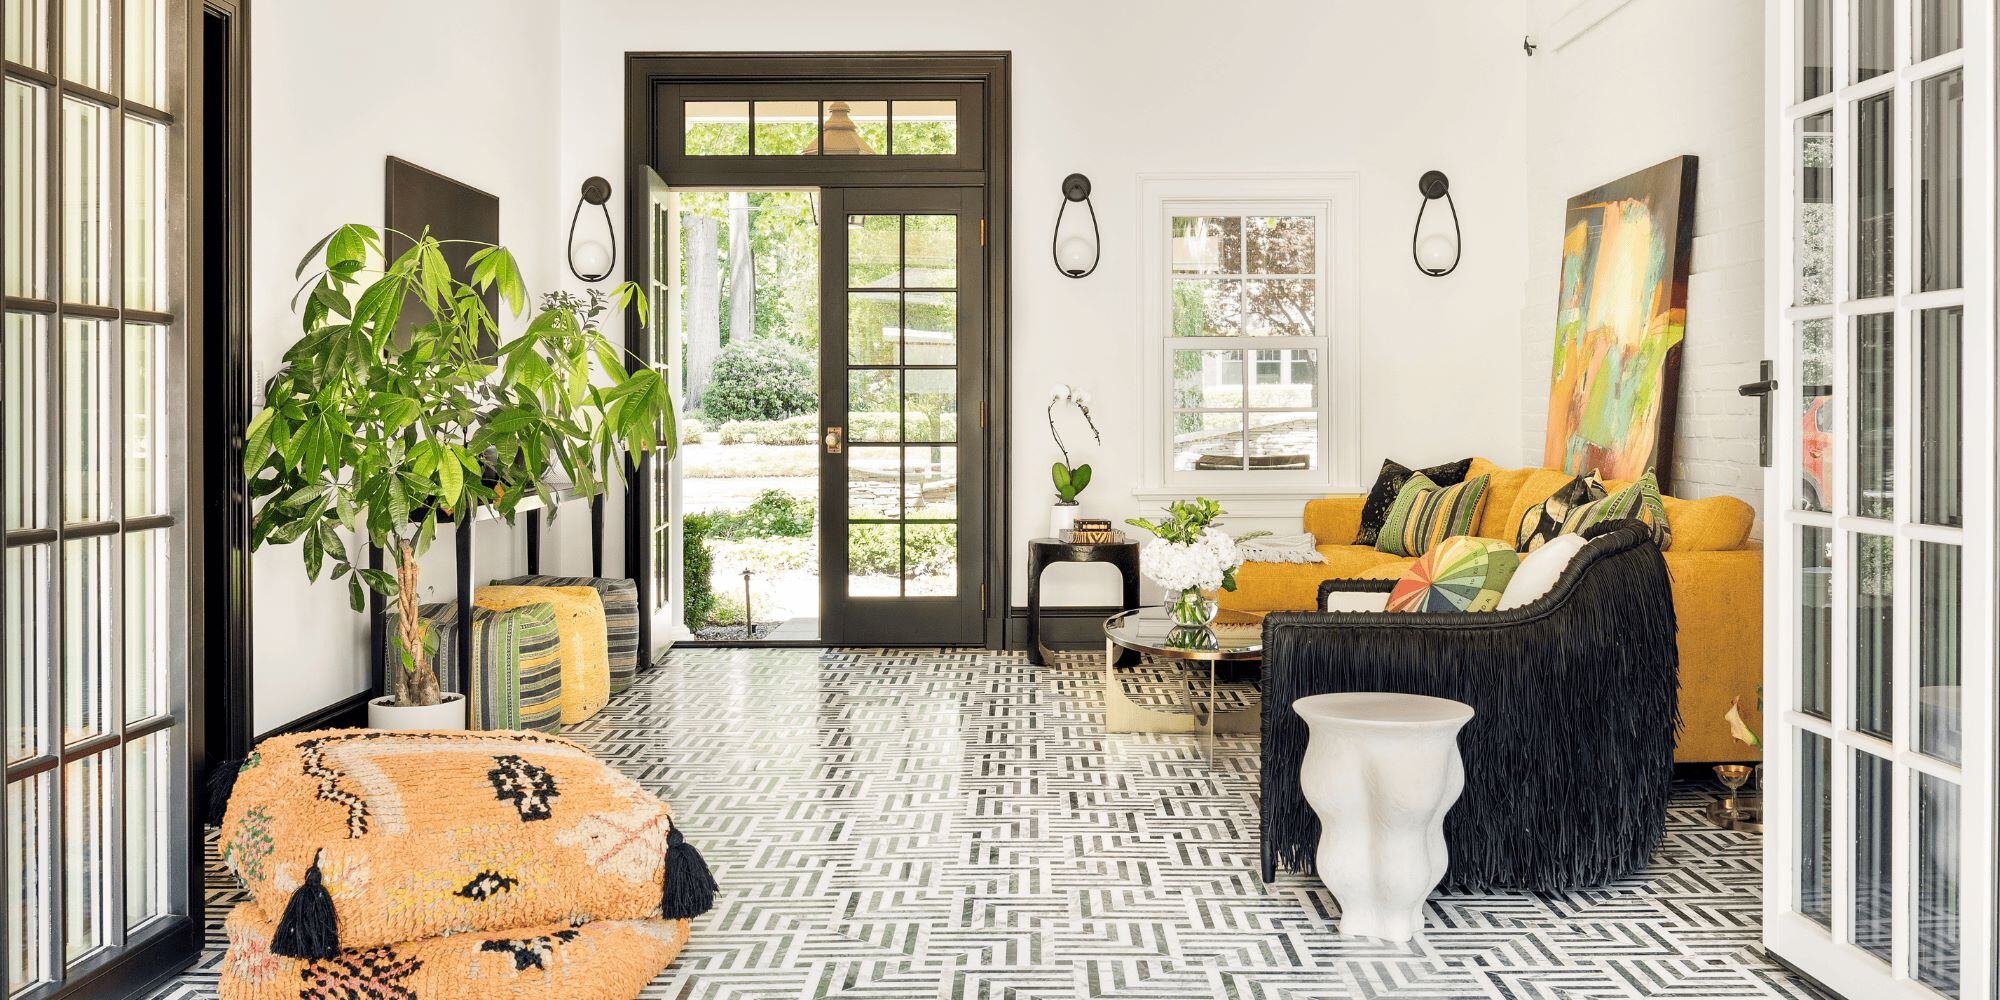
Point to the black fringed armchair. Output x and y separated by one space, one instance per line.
1569 755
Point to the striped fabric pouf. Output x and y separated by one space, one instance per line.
621 618
516 663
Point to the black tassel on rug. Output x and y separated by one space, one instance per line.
309 928
1569 755
687 888
221 785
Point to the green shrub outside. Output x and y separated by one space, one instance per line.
873 553
760 379
696 561
692 428
773 514
804 429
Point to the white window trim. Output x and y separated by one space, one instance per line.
1335 197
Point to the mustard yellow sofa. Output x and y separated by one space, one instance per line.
1716 572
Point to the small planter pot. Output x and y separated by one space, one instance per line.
449 714
1062 517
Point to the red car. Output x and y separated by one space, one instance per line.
1815 440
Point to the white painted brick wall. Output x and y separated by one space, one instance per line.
1656 79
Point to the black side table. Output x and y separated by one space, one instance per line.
1044 551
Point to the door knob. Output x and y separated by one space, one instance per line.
1765 385
833 440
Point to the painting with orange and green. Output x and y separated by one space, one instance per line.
1619 324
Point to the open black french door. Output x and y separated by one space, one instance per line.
903 516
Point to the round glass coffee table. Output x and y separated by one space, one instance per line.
1236 638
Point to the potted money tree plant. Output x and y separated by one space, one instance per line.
388 415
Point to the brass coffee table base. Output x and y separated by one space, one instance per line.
1749 813
1145 631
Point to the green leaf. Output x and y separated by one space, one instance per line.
257 441
350 243
306 261
1080 479
355 599
451 482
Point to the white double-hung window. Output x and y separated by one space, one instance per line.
1249 330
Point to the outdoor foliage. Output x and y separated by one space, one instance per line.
696 561
932 548
761 380
363 436
773 514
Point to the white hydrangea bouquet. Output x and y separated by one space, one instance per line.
1190 557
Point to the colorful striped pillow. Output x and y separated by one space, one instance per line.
621 618
516 663
1425 514
1466 573
1640 502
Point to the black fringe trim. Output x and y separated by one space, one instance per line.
221 785
1569 757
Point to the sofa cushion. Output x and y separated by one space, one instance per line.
1389 485
1710 524
1502 486
1539 486
1639 501
1466 573
1295 586
1334 520
1539 571
1425 514
1545 520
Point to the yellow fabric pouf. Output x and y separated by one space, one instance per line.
607 959
586 643
358 838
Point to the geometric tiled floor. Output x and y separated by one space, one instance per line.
925 823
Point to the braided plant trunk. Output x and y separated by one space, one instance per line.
417 682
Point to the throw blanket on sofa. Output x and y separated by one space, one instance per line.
1300 548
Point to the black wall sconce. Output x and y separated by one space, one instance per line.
1076 257
1436 255
593 261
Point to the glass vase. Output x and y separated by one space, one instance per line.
1192 607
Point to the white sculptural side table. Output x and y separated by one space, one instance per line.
1381 771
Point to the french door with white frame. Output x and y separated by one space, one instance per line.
1879 739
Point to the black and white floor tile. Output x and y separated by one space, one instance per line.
925 823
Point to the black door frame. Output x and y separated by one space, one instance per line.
647 134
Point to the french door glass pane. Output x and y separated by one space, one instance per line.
930 560
1815 828
1874 415
923 128
874 328
874 559
1874 870
1815 48
86 626
26 411
1940 179
86 410
1938 27
1816 621
1813 239
930 251
145 364
86 35
874 251
25 222
1874 220
930 483
930 404
27 642
930 327
86 856
145 62
1938 651
872 395
28 881
1936 954
148 577
874 482
27 33
1874 38
1940 413
1815 424
86 202
145 236
1874 619
145 828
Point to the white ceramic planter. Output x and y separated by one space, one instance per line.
1062 517
448 714
1381 771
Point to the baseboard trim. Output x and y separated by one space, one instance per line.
348 713
1067 627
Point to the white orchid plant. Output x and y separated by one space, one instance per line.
1070 479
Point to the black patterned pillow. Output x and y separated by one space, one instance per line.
1389 482
1545 520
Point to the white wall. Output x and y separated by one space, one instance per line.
1654 79
463 87
1386 90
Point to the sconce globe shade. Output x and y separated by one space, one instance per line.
1075 255
1436 252
593 258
